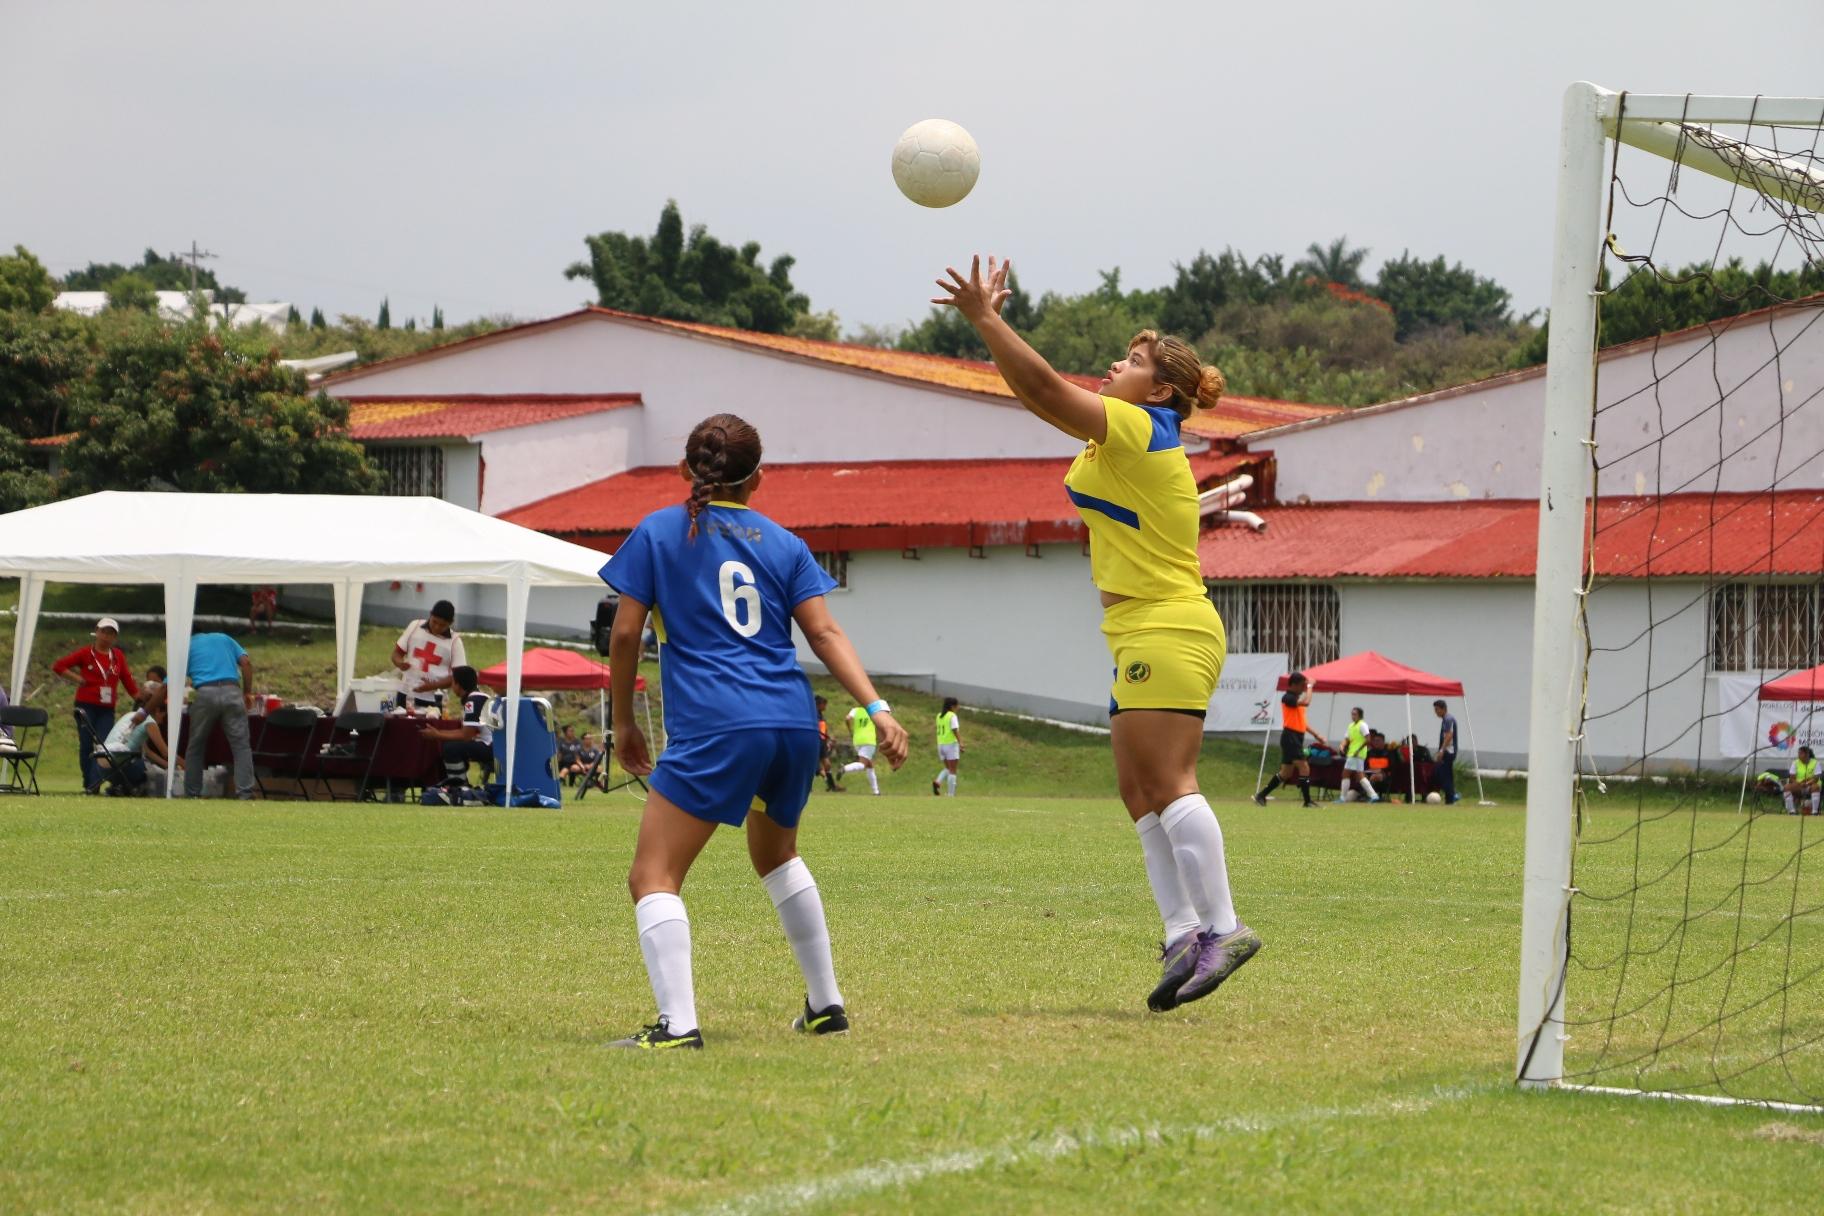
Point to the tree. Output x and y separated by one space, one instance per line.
174 405
944 332
411 325
25 285
45 361
1084 334
1208 284
132 293
1333 263
316 319
385 319
21 484
1431 294
691 278
818 326
163 273
436 316
292 316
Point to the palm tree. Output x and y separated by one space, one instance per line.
1335 262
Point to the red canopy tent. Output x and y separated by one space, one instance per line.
1799 686
1371 673
548 669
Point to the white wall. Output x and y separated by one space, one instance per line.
1484 442
805 411
532 462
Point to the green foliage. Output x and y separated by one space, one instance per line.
436 316
694 278
1432 295
25 285
1083 334
22 483
164 274
818 326
944 332
132 293
292 316
360 335
1208 284
317 321
177 407
1335 262
45 360
385 319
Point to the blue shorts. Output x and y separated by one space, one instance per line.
722 777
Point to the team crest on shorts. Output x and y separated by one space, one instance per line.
1138 673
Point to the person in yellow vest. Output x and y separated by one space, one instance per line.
949 747
1355 758
863 736
1803 783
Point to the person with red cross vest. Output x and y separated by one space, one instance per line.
97 670
426 654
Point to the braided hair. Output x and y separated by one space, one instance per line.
723 452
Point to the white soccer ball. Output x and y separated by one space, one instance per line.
935 163
1434 797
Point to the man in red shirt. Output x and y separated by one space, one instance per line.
98 670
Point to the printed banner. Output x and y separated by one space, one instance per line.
1771 730
1245 696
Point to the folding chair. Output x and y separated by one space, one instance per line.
297 726
114 764
21 721
594 772
354 741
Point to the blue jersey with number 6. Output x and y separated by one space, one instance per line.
722 609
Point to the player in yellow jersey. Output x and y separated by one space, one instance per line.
1134 490
863 738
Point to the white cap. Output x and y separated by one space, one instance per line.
108 622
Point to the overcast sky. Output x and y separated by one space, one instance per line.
456 153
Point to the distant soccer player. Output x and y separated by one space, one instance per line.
1355 757
1802 782
724 585
864 740
1294 765
827 749
1133 488
949 746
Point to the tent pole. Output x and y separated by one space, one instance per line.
1412 757
1470 721
348 595
31 598
180 610
518 592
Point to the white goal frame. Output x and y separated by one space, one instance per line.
1668 126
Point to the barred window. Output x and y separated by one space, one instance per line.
1303 620
836 565
409 470
1771 627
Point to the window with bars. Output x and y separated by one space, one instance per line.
409 470
836 565
1303 620
1765 627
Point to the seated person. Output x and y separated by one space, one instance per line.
566 749
473 739
123 771
1802 783
148 738
587 753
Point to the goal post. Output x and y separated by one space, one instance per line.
1678 129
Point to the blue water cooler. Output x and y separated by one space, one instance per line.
535 767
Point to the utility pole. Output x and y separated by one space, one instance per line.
193 255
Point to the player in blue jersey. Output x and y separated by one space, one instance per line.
723 585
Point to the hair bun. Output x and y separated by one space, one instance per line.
1210 386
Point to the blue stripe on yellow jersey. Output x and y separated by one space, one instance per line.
722 607
1138 499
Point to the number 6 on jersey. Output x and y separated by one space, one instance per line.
735 595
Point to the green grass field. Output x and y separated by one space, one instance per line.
225 1008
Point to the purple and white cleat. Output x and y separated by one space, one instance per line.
1218 957
1180 959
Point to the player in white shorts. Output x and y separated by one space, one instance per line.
1355 759
864 738
949 747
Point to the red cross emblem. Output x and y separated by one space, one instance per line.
426 655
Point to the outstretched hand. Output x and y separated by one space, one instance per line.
976 298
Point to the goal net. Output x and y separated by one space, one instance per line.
1673 930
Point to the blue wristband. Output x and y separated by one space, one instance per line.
878 707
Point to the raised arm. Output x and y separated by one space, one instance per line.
834 650
1076 411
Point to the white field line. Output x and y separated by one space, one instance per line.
885 1175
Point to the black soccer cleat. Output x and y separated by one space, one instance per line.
658 1037
834 1020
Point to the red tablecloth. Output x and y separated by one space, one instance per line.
404 754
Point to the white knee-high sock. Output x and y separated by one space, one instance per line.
873 781
794 894
665 944
952 777
1162 875
1790 809
943 774
1196 839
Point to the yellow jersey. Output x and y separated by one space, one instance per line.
1138 499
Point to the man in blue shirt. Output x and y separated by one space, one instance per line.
1443 772
222 675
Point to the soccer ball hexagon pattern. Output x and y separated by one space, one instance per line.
935 163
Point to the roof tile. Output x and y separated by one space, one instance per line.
467 416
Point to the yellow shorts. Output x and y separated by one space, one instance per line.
1168 653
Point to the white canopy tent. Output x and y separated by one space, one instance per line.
184 540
